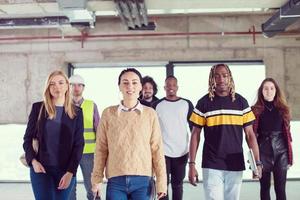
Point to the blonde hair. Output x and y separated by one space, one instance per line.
48 102
212 82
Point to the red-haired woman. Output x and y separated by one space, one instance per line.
272 127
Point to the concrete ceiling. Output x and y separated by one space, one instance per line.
95 9
37 8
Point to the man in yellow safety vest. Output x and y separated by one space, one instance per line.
90 122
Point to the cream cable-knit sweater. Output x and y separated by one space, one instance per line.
129 143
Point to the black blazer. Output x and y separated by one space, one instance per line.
71 138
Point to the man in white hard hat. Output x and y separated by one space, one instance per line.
91 121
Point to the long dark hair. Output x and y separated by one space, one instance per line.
279 100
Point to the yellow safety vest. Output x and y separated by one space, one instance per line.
88 124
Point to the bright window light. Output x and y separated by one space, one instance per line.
102 87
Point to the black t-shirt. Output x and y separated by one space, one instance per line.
223 121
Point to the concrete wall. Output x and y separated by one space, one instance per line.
25 64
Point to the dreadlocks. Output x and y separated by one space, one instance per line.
212 82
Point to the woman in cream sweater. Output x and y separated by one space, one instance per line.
129 146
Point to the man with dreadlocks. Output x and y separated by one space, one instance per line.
224 115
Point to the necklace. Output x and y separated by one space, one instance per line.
269 108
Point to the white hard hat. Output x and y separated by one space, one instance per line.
76 79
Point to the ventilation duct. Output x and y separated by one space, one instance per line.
71 4
36 22
77 13
287 15
133 13
73 13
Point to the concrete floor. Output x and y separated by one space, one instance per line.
250 191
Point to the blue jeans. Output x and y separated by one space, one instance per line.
86 165
221 184
45 185
129 187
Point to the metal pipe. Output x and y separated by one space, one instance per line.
135 13
143 12
127 14
79 37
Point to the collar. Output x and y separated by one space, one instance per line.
138 107
79 102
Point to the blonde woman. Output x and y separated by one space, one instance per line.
58 126
129 146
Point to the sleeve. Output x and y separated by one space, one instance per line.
255 123
248 116
190 111
197 117
78 143
96 117
158 158
101 151
288 130
30 133
155 103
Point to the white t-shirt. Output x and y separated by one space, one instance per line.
174 118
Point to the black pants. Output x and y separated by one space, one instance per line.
176 168
273 153
279 184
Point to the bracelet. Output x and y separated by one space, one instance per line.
259 163
191 163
